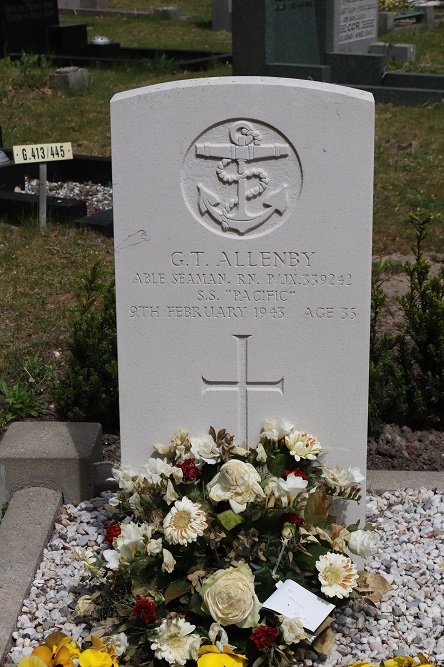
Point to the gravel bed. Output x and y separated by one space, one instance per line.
410 618
98 197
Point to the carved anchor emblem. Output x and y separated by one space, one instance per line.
245 147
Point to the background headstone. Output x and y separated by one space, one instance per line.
221 15
355 25
23 25
307 39
242 218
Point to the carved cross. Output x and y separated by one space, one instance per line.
242 386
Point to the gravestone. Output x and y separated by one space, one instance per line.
355 25
242 225
307 39
221 15
23 25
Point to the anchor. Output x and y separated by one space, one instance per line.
245 147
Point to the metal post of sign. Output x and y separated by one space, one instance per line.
42 195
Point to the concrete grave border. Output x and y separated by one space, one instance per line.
36 499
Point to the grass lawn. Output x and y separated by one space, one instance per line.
38 271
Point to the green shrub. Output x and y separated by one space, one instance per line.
88 390
420 347
407 370
19 401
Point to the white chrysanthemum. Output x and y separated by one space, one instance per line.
302 445
156 471
184 523
175 642
168 561
337 575
292 630
342 478
204 450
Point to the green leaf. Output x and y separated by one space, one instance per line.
177 589
195 605
229 519
316 509
278 465
265 584
306 561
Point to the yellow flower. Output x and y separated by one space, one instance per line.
58 649
401 661
110 649
31 661
93 658
210 656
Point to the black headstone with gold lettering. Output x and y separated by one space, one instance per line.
23 25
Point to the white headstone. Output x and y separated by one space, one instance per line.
242 224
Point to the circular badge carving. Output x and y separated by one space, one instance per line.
241 178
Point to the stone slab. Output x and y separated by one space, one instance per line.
400 52
57 455
24 533
233 309
391 480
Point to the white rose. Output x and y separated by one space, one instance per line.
292 630
155 471
341 478
154 547
229 597
285 427
302 445
238 482
362 543
204 450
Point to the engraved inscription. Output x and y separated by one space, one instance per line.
241 178
242 386
358 20
236 285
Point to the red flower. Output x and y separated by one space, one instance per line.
145 608
263 636
297 472
189 468
112 532
292 517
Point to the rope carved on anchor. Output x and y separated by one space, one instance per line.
229 178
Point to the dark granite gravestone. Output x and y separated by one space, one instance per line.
302 39
23 25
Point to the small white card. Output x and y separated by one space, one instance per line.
292 600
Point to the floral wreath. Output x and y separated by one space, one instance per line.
202 536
